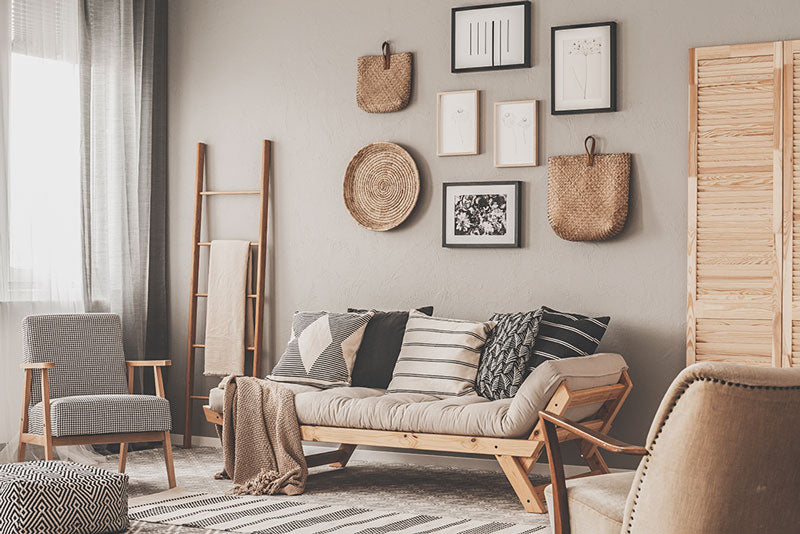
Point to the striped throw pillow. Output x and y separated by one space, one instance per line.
439 356
566 335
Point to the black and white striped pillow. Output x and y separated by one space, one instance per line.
566 335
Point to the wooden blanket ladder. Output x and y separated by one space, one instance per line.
261 252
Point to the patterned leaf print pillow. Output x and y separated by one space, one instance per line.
504 363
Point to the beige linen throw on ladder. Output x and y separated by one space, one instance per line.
229 313
261 438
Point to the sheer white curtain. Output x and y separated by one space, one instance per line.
40 203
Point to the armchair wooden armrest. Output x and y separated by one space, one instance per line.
156 365
551 421
37 365
592 436
148 363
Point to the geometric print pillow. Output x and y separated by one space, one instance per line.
504 362
322 349
566 335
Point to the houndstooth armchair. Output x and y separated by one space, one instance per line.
76 391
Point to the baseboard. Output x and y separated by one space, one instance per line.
393 456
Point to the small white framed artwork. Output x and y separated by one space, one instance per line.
457 123
516 133
583 66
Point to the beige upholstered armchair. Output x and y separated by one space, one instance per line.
722 456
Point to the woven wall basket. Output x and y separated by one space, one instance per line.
381 186
384 82
587 195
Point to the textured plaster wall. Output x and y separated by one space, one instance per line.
242 71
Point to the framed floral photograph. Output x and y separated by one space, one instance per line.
457 123
481 214
583 68
516 135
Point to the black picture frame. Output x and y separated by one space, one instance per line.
517 219
527 38
613 68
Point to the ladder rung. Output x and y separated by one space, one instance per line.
201 346
206 294
210 193
207 244
196 397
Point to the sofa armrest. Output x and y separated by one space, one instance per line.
580 373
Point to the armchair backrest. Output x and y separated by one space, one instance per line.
86 349
724 451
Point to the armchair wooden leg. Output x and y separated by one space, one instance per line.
168 459
123 456
21 451
531 499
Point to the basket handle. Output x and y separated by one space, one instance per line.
589 151
386 54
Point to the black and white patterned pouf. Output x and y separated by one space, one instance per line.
61 498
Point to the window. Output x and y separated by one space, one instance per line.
43 185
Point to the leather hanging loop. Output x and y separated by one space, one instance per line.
589 151
386 54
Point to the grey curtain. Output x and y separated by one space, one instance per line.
123 182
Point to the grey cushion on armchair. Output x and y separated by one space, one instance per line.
88 386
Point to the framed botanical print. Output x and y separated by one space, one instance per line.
583 68
457 123
490 37
481 214
516 133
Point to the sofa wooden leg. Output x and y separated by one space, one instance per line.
532 499
345 452
123 456
168 460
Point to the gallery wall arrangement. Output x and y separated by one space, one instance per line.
587 196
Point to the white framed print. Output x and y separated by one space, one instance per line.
516 133
457 123
481 214
490 37
583 68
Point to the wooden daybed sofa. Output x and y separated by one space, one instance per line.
589 389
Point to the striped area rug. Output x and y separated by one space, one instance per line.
273 515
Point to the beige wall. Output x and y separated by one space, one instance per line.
241 71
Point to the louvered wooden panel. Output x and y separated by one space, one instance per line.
791 205
736 340
735 204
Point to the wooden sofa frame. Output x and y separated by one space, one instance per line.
516 456
48 441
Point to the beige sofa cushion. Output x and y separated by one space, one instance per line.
368 408
596 504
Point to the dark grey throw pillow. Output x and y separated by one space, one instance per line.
504 362
380 347
566 335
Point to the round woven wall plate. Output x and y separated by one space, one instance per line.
381 186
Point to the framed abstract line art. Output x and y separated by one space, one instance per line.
481 214
583 68
516 135
490 37
457 123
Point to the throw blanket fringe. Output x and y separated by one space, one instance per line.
261 438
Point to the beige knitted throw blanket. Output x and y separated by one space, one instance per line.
261 438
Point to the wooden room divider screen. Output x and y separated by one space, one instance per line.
744 204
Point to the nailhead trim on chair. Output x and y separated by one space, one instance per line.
629 524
